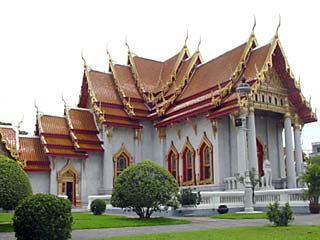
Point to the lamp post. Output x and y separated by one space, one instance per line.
244 89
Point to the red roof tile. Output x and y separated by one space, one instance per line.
82 119
211 73
54 125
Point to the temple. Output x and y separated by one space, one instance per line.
185 114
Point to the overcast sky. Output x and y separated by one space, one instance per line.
41 42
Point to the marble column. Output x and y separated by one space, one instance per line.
53 176
291 174
252 141
297 147
242 146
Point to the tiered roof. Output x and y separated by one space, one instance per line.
73 135
31 153
185 86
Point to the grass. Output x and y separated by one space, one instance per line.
249 233
241 216
90 221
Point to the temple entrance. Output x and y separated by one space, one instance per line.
260 153
68 183
69 191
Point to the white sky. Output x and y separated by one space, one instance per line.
41 42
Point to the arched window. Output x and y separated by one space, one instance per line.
188 164
122 160
173 162
205 152
121 164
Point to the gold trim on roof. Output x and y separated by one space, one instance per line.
125 100
13 152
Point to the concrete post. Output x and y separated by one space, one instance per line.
291 174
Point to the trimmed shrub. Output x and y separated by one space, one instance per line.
14 183
98 206
144 187
187 197
280 217
43 216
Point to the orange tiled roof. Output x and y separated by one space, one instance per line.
126 81
149 72
103 87
54 125
32 154
211 73
82 119
256 61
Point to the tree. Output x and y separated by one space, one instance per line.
312 179
144 187
14 183
43 216
255 179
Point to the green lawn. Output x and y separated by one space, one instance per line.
248 233
90 221
241 216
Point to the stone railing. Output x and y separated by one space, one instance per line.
231 183
234 199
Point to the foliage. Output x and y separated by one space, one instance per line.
255 179
312 179
247 233
5 124
187 197
90 221
98 206
43 216
14 183
21 132
144 187
280 217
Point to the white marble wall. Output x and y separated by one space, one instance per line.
40 182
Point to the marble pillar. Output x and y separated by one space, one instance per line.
298 150
252 144
291 174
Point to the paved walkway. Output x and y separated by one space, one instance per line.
198 223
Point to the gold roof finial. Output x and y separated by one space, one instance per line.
64 101
84 61
199 44
185 41
126 42
254 24
35 105
107 50
21 121
279 24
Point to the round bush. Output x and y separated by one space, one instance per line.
144 187
98 206
43 216
14 183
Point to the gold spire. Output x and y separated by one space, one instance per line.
186 39
254 24
279 24
199 44
64 104
35 105
21 121
126 42
84 61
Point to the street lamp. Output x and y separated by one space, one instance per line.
244 89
